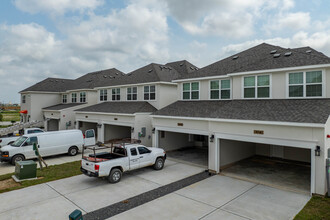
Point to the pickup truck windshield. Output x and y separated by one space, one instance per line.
18 142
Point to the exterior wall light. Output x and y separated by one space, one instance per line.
212 138
153 130
317 151
132 129
99 125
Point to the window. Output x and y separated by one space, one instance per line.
23 98
132 93
220 89
190 91
143 150
305 84
103 95
116 94
149 93
31 141
83 97
64 98
133 151
74 97
90 134
257 86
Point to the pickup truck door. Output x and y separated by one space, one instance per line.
145 156
134 159
89 137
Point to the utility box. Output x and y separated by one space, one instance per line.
26 170
76 215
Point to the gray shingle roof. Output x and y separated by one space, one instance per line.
183 67
260 58
50 85
62 106
119 107
281 110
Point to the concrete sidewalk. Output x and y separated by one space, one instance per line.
61 197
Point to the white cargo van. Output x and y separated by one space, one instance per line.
49 143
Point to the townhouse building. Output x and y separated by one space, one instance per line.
266 101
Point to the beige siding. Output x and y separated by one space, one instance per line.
39 101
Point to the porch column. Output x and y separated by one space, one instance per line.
100 132
155 136
77 125
214 154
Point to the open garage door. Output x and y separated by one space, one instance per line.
192 148
116 132
53 125
280 166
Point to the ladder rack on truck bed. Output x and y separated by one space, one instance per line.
19 126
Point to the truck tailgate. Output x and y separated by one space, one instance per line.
87 165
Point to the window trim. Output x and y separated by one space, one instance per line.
115 94
66 98
80 101
230 89
304 84
199 91
137 92
150 93
104 100
256 86
23 99
75 97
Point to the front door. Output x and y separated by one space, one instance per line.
89 137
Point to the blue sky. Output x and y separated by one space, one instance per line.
68 38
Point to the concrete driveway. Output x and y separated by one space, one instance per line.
221 197
61 197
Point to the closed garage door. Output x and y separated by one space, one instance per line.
53 125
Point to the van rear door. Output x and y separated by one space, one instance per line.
89 137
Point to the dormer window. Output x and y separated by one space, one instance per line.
103 95
64 98
220 89
256 86
132 93
149 92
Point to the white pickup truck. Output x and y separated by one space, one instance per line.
115 160
10 139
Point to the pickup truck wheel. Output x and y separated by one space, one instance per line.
17 158
159 164
73 151
115 175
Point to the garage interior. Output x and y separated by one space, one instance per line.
116 132
53 125
279 166
189 148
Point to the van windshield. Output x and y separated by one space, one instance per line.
19 141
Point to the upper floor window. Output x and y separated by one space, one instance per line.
305 84
116 94
83 97
190 90
220 89
64 98
149 93
103 95
132 93
257 86
23 98
74 97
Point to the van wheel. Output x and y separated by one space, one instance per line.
73 151
159 164
115 175
17 158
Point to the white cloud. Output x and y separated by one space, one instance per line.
57 6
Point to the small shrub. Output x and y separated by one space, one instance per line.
1 117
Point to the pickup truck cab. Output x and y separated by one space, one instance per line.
115 160
10 139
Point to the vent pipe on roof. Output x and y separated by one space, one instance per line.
308 51
276 55
273 51
235 57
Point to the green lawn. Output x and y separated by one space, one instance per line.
317 208
51 173
10 115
